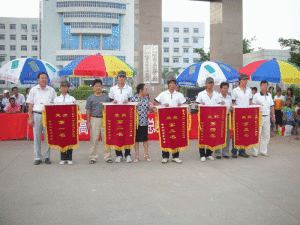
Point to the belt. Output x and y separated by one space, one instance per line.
98 116
37 112
265 115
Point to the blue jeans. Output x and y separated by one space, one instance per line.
234 150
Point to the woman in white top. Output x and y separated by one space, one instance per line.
66 157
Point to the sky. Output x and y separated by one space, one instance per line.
267 20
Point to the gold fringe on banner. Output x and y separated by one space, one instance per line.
190 122
79 112
104 118
156 122
44 117
230 124
260 118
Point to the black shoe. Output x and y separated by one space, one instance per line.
37 162
218 157
47 161
243 154
234 155
226 157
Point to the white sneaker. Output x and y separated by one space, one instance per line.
177 160
255 155
119 159
203 159
62 162
128 159
265 154
70 162
165 160
211 158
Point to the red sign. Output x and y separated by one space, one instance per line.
61 126
212 127
173 129
246 122
120 126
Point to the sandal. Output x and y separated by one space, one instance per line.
147 158
109 161
136 159
92 161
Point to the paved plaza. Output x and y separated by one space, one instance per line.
263 190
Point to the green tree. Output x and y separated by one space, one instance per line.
203 56
247 45
294 46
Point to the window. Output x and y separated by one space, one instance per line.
166 29
24 56
166 60
185 50
195 60
2 26
166 39
185 30
175 60
34 37
34 26
176 39
24 37
194 50
24 26
186 60
2 37
12 37
23 48
176 30
186 40
34 48
12 57
2 47
176 50
2 58
166 49
13 26
13 48
196 30
195 40
34 57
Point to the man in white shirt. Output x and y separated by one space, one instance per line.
170 98
224 97
267 105
208 97
241 96
38 96
121 94
20 99
5 100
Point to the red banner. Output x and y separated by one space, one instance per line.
173 129
246 122
62 126
13 126
120 126
212 127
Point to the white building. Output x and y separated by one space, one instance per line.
179 41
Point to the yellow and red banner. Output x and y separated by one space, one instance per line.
246 123
61 124
173 128
120 126
212 127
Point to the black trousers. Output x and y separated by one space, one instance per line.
278 116
67 155
119 153
167 155
203 154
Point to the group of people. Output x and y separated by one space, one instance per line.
122 94
15 103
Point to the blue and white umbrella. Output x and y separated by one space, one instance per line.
197 73
25 70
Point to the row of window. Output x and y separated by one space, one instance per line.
23 37
176 50
23 47
23 26
185 60
91 14
73 57
90 25
90 4
185 30
3 58
176 40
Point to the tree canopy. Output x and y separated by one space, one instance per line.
247 45
294 46
203 56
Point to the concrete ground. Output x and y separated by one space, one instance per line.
263 190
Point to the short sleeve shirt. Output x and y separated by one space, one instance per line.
93 104
265 100
278 101
204 97
67 98
120 95
5 102
240 97
142 109
20 100
11 109
171 98
227 100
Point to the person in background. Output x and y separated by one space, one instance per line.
288 113
26 104
65 157
278 101
271 90
289 95
254 91
297 116
142 129
13 107
5 100
20 99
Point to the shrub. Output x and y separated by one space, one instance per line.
84 87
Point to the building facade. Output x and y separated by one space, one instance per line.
179 41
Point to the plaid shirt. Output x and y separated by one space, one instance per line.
11 109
